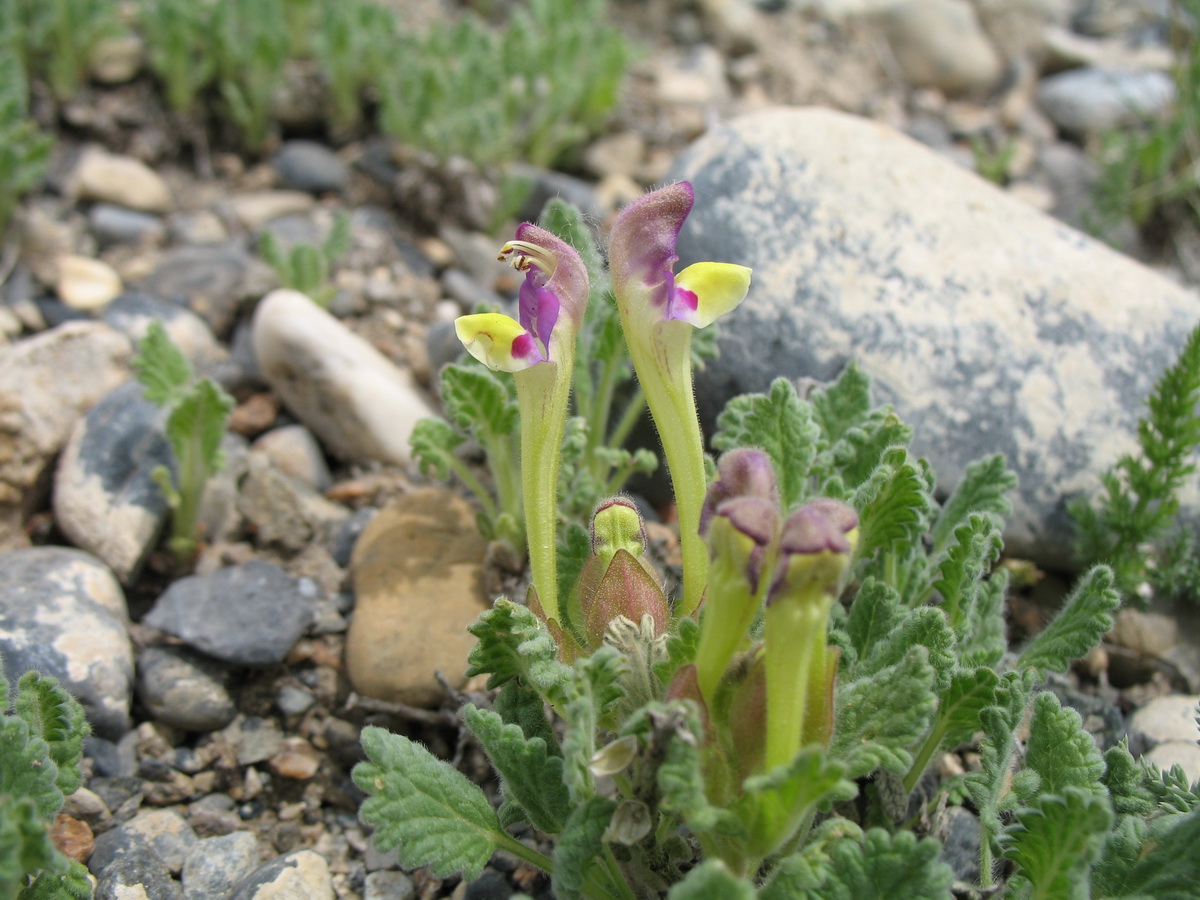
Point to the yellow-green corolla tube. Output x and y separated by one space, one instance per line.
539 350
815 547
658 310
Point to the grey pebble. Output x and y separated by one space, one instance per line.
182 688
309 166
217 863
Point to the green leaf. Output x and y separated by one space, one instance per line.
779 423
1059 749
73 884
676 735
925 627
525 708
57 718
859 450
968 559
530 774
477 401
578 846
573 555
1162 863
681 649
983 491
875 614
970 691
774 805
432 444
712 880
424 808
844 404
870 866
1084 619
196 427
1125 781
880 716
983 640
893 505
1054 842
565 220
514 644
590 691
161 367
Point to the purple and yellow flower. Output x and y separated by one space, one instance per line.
539 349
658 311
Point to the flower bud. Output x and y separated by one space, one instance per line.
626 589
815 547
744 472
617 525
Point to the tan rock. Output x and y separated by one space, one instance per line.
939 43
417 571
1169 718
86 284
255 208
122 180
1148 633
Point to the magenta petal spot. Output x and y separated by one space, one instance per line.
683 303
524 346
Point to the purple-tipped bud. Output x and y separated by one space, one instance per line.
740 531
745 472
617 525
815 546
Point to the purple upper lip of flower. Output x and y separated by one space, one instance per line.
555 282
643 238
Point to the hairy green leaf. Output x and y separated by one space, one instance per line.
925 627
676 735
968 559
196 427
681 649
432 444
880 716
983 640
970 691
514 644
779 423
893 505
1054 842
590 690
525 708
1160 862
161 367
1059 749
773 805
530 773
477 401
424 808
1125 781
73 884
712 880
870 866
573 555
579 845
983 491
1084 619
57 718
844 404
875 614
859 450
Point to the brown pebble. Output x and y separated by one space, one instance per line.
298 759
254 415
73 838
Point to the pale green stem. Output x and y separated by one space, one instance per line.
633 412
794 632
542 394
932 742
616 876
663 361
728 614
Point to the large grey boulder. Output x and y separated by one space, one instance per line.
988 325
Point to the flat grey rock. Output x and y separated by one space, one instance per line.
1094 101
63 613
988 325
309 166
302 874
184 689
105 499
215 864
249 615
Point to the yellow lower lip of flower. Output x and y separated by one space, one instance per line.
498 341
708 290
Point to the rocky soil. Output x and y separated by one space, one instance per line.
336 581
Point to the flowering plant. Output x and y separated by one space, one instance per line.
769 733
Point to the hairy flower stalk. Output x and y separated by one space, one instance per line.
815 547
539 350
658 311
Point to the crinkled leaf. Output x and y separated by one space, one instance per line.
681 649
970 691
196 425
680 776
774 804
880 716
57 718
478 401
24 845
1172 790
1059 749
590 690
28 770
531 775
1083 621
1125 781
968 559
1156 863
779 423
525 708
432 445
1055 840
712 880
870 866
893 504
925 627
578 846
876 612
514 644
983 640
843 404
983 491
424 808
73 884
860 449
161 367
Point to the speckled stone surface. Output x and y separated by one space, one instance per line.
988 325
63 613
